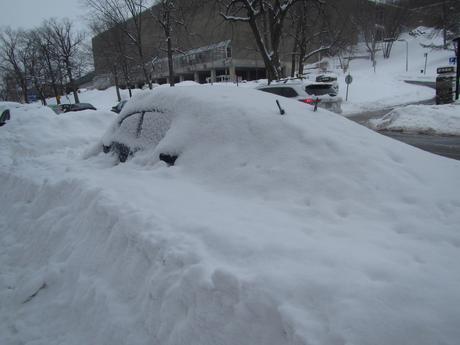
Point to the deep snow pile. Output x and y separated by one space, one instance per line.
296 229
427 119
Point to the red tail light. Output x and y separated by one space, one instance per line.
309 100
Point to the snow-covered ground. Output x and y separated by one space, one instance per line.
424 119
298 229
386 87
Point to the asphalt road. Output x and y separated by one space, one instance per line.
447 146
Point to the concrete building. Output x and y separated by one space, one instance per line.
209 49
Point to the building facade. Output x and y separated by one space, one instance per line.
207 49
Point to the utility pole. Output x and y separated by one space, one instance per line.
407 52
457 53
426 59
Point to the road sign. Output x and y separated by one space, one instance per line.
442 70
452 60
348 79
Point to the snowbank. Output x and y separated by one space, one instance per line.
425 119
296 229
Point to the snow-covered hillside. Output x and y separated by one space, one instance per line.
386 87
298 229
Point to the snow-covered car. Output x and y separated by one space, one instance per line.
152 120
66 108
76 107
4 116
137 130
323 94
328 77
5 111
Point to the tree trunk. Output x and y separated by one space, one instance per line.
117 86
40 92
301 59
444 23
53 78
144 70
272 73
24 91
72 83
293 63
170 62
127 79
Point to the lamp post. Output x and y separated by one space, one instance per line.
457 54
407 52
426 59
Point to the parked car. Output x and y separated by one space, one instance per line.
138 130
77 107
119 106
328 78
65 108
324 94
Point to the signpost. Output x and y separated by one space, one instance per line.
445 85
426 58
348 80
457 60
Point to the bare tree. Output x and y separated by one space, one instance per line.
266 19
393 21
305 20
13 58
319 27
128 16
114 53
33 62
67 43
447 18
368 19
44 45
168 16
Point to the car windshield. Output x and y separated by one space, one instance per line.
281 91
320 89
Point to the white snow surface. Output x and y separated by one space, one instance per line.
298 229
425 119
386 87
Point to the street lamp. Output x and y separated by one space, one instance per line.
457 54
407 52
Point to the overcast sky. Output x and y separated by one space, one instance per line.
30 13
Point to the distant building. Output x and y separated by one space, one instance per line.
211 49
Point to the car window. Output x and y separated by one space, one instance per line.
281 91
289 92
129 128
274 90
154 126
319 89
